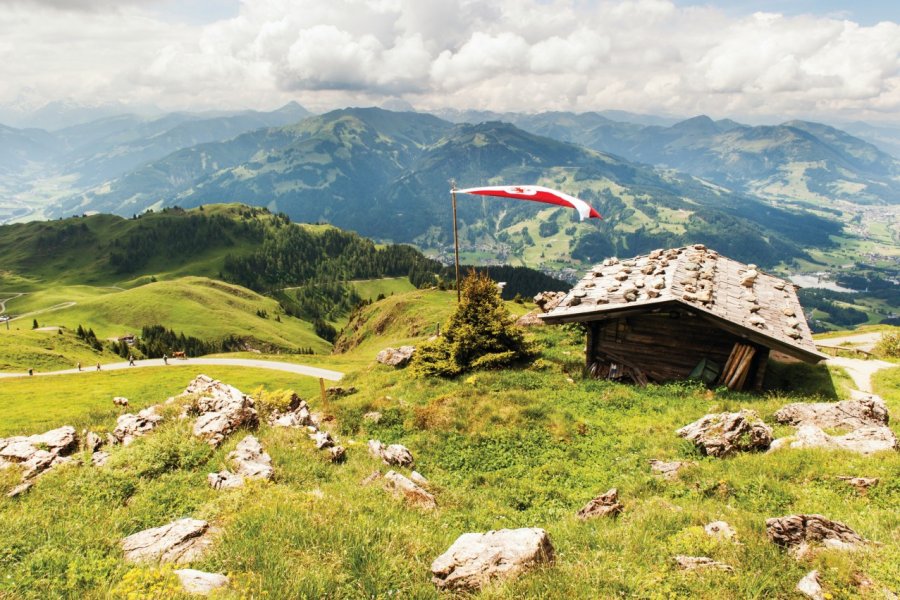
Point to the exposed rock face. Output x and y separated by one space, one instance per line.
200 582
37 453
863 411
796 530
412 492
720 529
92 442
250 459
99 458
726 433
865 440
178 542
221 408
130 426
810 587
700 563
547 301
396 357
395 454
475 559
604 505
669 469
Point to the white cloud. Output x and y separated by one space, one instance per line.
525 55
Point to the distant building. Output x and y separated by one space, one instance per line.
128 338
684 312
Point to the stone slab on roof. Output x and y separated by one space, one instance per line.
764 306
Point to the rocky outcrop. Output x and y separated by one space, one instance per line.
396 454
796 531
250 461
604 505
700 563
200 583
530 319
862 484
99 458
547 301
411 492
865 410
396 357
91 441
178 542
475 559
221 409
865 440
669 469
225 480
132 426
37 453
724 434
296 416
811 587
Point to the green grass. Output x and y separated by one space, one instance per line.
514 448
46 351
370 289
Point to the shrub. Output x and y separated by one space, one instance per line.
479 335
889 345
148 582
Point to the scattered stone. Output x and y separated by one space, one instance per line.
297 416
413 493
396 357
132 426
92 442
797 531
337 454
39 452
395 454
865 440
221 408
200 582
669 469
547 301
417 478
373 476
604 505
99 458
225 480
372 416
724 434
475 559
530 319
19 489
810 587
865 411
700 563
120 401
178 542
339 391
322 439
721 530
862 484
749 278
251 461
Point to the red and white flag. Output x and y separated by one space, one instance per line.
536 193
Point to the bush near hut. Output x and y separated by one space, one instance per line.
479 335
889 345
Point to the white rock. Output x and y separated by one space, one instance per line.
700 563
225 480
412 492
200 582
396 357
179 542
720 529
810 587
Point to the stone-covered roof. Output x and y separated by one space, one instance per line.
765 307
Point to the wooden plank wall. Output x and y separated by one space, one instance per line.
664 345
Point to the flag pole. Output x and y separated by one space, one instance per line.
455 237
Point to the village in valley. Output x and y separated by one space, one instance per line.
397 300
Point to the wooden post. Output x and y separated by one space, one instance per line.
762 359
455 240
590 336
322 389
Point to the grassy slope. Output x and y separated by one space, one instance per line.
45 351
522 447
197 306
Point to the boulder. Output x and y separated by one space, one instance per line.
337 454
92 442
221 408
418 479
37 453
865 440
604 505
724 434
132 426
19 489
700 563
475 559
862 484
530 319
669 469
200 582
720 529
810 587
862 411
178 542
547 301
339 391
795 531
225 480
411 491
60 441
322 440
396 357
250 459
395 454
120 401
99 458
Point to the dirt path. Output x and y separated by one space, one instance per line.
35 313
3 301
860 371
863 341
193 362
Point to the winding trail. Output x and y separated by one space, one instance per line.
863 341
35 313
860 371
192 362
3 301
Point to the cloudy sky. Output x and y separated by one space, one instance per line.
761 61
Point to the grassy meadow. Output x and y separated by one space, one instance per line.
526 446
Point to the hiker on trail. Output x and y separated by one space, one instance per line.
165 359
79 367
98 366
131 360
30 372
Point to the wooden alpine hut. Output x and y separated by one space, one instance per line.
685 312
